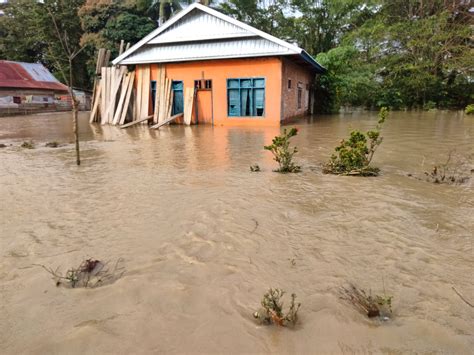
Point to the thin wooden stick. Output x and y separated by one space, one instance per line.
136 122
172 118
461 296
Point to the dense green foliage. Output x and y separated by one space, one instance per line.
353 156
282 153
27 34
394 53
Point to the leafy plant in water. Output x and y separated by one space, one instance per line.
469 109
28 145
282 153
255 168
353 156
272 309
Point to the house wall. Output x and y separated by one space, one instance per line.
219 71
24 101
298 75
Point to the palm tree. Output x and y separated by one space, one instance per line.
167 8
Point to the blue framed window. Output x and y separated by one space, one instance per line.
246 97
178 98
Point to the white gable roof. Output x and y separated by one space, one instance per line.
201 33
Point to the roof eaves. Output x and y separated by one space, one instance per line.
176 60
309 59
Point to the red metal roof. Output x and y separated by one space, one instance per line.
28 76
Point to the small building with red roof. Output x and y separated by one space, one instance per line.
29 88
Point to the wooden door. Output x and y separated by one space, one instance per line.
204 106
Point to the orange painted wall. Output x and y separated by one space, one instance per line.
221 70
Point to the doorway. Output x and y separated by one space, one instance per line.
204 111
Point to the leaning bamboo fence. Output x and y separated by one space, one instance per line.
124 98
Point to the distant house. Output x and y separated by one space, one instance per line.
243 76
30 87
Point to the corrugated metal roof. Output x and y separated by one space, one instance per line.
201 33
28 76
177 52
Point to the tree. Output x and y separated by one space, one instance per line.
27 34
271 16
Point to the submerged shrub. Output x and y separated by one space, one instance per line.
429 105
272 309
469 109
52 144
255 168
28 145
455 170
372 306
353 156
282 153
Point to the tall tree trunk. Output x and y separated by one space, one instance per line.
74 114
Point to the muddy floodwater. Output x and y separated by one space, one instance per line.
202 238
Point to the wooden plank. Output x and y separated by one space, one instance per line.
164 94
100 59
166 101
157 96
94 90
110 93
96 103
162 99
122 43
116 85
106 61
123 91
103 85
127 98
188 105
136 122
146 91
170 104
138 101
172 118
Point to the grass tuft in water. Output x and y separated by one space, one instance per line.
28 145
373 306
90 273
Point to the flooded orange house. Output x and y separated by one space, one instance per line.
241 75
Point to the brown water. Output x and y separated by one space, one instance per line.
202 239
